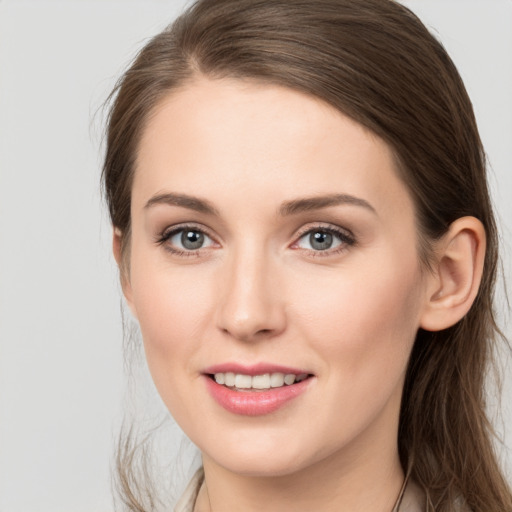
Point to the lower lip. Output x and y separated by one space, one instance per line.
255 403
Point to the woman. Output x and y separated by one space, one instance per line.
304 234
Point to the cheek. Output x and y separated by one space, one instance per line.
364 318
360 326
173 306
172 310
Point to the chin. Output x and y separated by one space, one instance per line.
262 466
262 459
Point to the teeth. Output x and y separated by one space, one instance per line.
261 381
265 381
243 381
277 380
289 379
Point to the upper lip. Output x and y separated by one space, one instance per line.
254 369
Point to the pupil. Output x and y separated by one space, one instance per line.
320 240
192 239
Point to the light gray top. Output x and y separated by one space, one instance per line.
411 498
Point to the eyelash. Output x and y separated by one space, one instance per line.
346 238
167 234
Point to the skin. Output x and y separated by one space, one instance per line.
257 291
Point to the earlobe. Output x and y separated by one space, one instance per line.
117 244
454 284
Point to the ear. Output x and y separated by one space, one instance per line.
123 264
453 286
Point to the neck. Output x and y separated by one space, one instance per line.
365 476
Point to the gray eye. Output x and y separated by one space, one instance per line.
189 239
320 240
192 239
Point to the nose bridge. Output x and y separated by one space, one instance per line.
249 305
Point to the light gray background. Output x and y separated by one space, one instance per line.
61 372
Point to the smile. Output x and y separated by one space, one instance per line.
243 382
256 390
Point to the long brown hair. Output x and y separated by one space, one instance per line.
376 62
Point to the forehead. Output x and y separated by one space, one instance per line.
229 136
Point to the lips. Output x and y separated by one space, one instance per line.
255 390
254 369
241 382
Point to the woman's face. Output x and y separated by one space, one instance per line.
271 236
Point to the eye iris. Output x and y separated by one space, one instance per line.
192 239
320 240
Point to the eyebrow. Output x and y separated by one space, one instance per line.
317 202
288 208
185 201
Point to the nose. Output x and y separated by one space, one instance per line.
251 305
